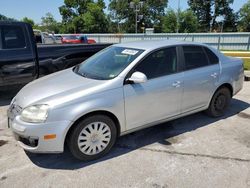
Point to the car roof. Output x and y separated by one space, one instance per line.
154 44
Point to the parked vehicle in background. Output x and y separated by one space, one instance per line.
76 39
121 89
43 37
91 41
72 39
22 61
58 39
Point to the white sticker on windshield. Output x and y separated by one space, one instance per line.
129 52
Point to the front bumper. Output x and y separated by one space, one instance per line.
31 136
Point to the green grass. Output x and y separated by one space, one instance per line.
247 64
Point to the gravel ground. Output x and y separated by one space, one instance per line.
195 151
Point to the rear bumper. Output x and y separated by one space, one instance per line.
31 137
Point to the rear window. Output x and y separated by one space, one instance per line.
12 37
213 59
194 57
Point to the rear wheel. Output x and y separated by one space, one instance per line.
92 138
219 102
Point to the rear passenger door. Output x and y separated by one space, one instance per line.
201 72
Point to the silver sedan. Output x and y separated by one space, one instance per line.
123 88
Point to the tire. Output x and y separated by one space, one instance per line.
92 138
219 102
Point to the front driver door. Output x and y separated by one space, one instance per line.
159 97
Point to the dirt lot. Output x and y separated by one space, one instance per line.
195 151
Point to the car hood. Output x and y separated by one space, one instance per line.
58 88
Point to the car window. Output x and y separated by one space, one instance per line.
108 63
194 57
213 59
159 63
12 37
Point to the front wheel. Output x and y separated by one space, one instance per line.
92 138
219 102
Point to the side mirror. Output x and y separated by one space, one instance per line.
138 78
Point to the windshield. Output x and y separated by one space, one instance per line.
107 63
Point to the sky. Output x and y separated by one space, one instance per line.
35 9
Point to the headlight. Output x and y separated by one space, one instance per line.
35 114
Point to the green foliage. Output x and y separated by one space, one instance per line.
230 21
202 9
94 19
208 12
124 16
84 16
169 22
4 18
88 16
28 20
49 23
244 18
188 22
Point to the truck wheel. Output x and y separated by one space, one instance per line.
92 138
219 102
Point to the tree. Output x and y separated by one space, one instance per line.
229 18
94 20
84 16
207 13
244 18
230 21
49 23
202 9
28 20
123 15
4 18
169 23
188 22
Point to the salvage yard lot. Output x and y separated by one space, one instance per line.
195 151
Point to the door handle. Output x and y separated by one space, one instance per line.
176 84
214 75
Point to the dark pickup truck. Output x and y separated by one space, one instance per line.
22 61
